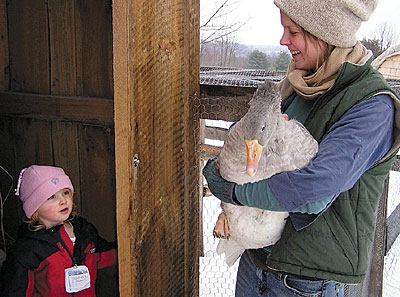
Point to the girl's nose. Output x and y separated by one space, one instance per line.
62 198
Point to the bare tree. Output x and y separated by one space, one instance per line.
218 44
386 36
218 25
383 38
224 52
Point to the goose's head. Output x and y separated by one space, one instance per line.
260 123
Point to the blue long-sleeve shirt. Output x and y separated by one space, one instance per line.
352 145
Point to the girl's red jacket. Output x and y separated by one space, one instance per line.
35 265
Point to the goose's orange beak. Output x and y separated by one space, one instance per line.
254 150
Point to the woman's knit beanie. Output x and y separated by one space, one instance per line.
333 21
38 183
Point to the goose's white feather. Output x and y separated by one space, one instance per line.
287 146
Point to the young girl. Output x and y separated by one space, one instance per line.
351 111
56 253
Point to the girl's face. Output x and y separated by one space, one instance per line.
56 209
307 50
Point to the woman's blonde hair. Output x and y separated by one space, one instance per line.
324 47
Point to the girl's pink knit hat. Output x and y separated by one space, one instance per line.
38 183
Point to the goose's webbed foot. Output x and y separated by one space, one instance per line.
221 229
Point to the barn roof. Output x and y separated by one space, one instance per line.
385 56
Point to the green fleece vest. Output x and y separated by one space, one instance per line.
336 246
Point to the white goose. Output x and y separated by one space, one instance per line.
261 144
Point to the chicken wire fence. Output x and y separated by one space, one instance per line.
216 279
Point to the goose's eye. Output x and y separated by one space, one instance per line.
262 128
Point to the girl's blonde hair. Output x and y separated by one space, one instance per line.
34 224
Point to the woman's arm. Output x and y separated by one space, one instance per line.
353 144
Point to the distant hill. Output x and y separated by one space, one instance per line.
245 49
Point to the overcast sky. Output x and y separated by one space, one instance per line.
263 19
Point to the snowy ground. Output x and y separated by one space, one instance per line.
391 274
216 278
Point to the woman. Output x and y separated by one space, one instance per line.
354 115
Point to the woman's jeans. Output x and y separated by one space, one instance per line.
252 281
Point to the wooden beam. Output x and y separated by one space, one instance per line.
155 80
375 283
124 170
208 151
226 91
392 227
215 133
56 107
190 30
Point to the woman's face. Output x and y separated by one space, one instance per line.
307 51
56 209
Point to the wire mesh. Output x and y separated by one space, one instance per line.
216 278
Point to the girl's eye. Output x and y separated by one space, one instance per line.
52 197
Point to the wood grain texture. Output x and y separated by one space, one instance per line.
94 56
97 182
192 206
4 59
153 121
65 139
89 110
29 46
61 14
11 206
124 131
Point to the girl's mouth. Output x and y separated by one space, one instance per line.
294 53
64 210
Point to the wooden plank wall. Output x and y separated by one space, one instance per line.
4 69
157 206
56 104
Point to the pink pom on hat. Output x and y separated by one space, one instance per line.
38 183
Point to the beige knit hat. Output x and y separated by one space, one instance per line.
334 21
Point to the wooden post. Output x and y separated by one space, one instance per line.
123 119
375 284
156 72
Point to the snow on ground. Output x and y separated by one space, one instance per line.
216 278
391 273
